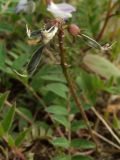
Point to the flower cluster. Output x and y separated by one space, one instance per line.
60 10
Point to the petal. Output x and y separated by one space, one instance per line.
25 6
57 12
52 6
22 2
21 6
66 7
61 14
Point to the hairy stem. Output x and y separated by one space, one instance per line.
70 84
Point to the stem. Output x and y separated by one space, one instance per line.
106 125
69 119
70 84
110 9
20 113
106 140
107 18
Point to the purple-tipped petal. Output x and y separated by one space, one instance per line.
21 6
25 6
66 7
62 10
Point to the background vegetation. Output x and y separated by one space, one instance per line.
69 109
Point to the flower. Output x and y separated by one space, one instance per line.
44 36
61 10
27 6
47 33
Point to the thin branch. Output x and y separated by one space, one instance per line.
106 125
105 139
20 113
70 84
110 9
107 18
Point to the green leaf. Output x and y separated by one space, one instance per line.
6 27
26 111
8 119
76 125
61 142
10 141
20 61
2 55
91 42
82 158
38 82
87 106
90 84
58 110
101 66
3 98
58 89
62 157
2 132
62 120
20 138
54 78
82 144
116 122
88 16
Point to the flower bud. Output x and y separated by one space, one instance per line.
73 29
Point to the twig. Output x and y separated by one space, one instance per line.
106 125
20 113
110 9
106 140
70 84
107 18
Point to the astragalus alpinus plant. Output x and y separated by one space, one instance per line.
59 79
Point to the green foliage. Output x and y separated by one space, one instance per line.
82 144
10 140
2 132
101 66
90 84
76 125
2 55
58 89
58 110
46 113
6 124
61 142
7 121
82 158
62 120
3 98
63 157
20 138
88 16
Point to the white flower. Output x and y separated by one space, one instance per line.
43 34
61 10
27 6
